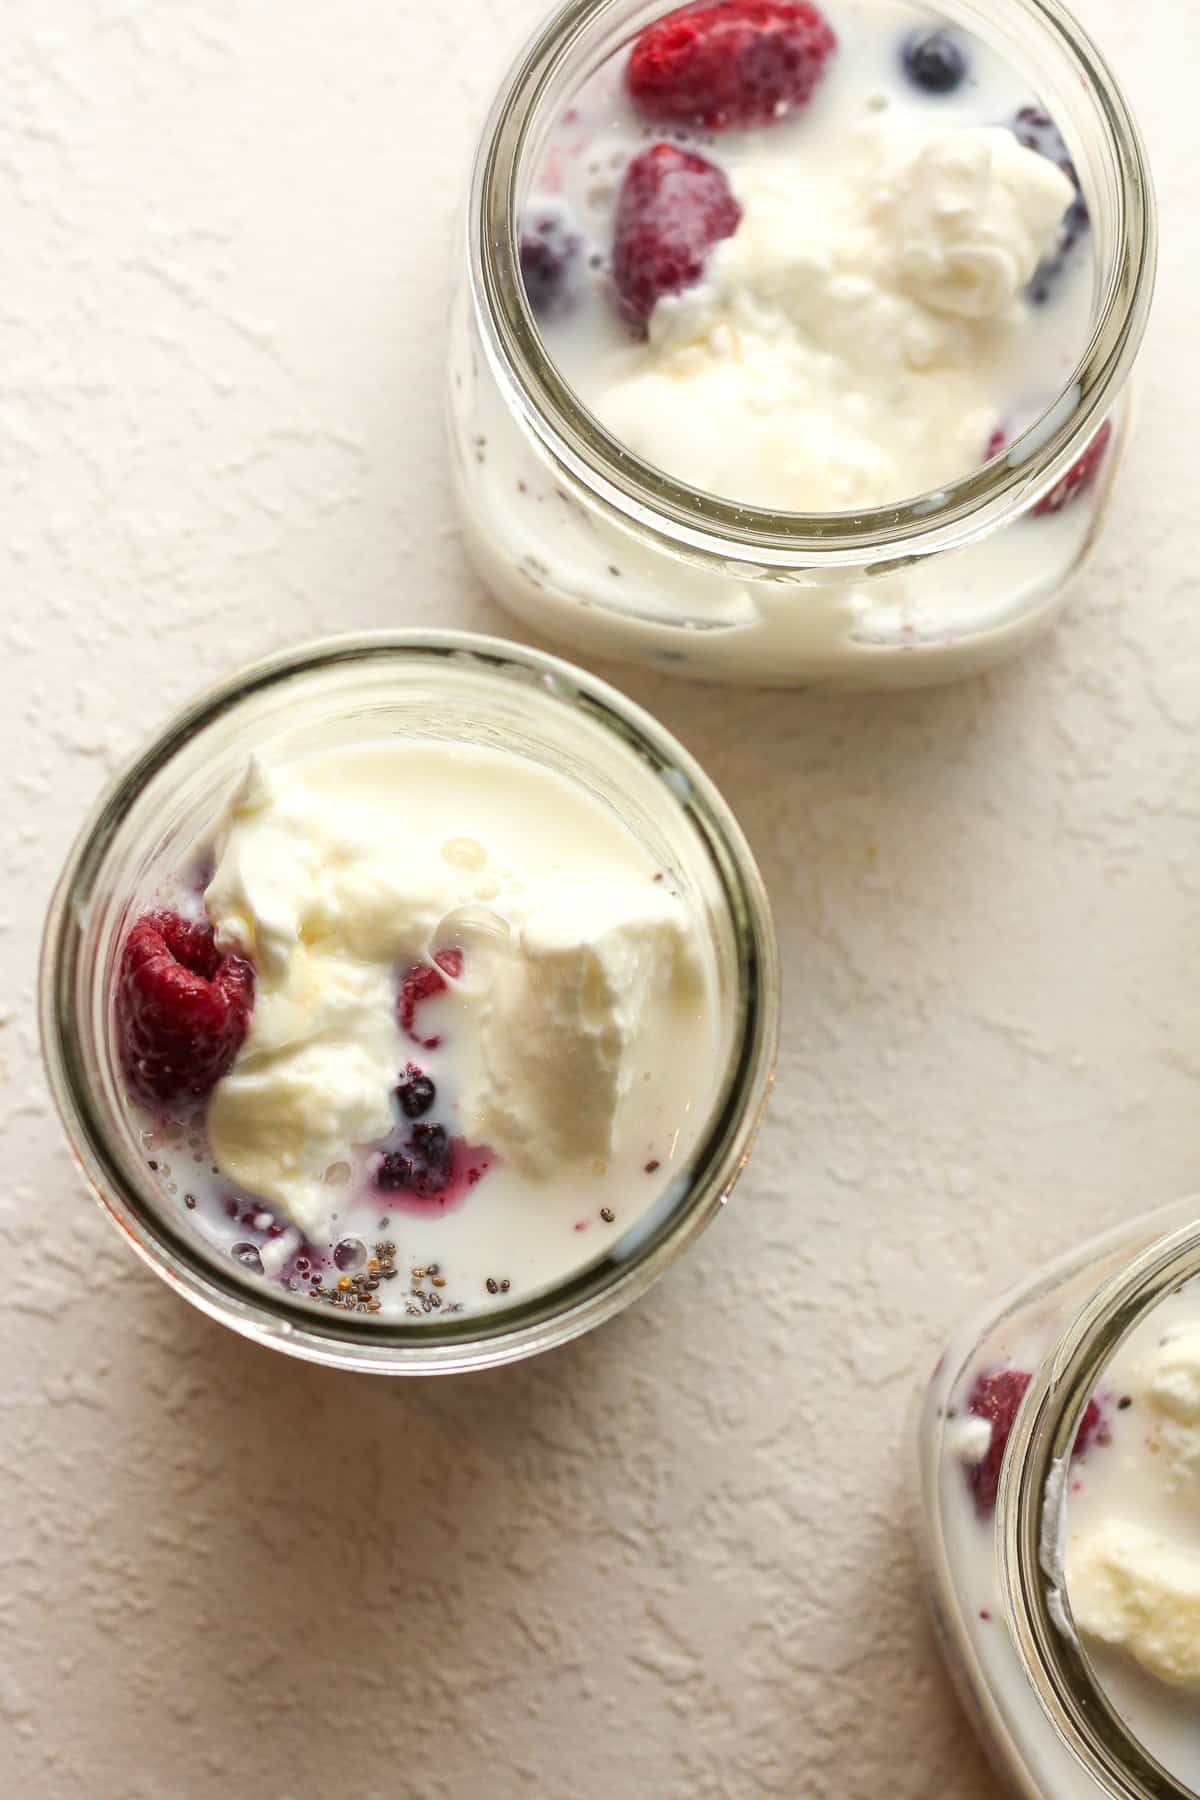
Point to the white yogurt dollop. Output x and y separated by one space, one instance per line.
852 341
583 1014
1139 1593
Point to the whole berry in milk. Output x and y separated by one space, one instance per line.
729 64
674 207
183 1008
935 60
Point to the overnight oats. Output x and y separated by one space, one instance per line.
802 358
1060 1461
431 1013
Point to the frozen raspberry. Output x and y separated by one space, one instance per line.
415 1092
183 1008
1079 477
1036 130
673 207
996 1397
734 62
425 981
549 253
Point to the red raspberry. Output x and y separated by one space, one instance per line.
183 1009
673 207
996 1398
1079 477
425 982
735 62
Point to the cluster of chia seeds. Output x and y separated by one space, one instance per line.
356 1292
424 1296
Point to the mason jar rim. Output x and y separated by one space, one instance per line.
691 520
472 1342
1042 1439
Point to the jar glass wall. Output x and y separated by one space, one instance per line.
463 689
992 1535
590 545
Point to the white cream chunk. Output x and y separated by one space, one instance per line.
337 872
1140 1593
849 343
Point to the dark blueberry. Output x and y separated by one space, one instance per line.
423 1167
415 1092
1036 130
550 249
935 61
430 1154
1045 279
395 1171
432 1145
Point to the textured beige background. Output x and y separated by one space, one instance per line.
671 1562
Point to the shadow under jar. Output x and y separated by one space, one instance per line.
1039 1431
589 544
475 696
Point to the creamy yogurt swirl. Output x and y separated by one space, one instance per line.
848 344
581 971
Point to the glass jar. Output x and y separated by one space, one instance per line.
449 685
591 546
1000 1605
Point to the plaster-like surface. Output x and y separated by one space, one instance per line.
671 1562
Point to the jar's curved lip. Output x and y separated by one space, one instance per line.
574 439
1042 1440
591 1297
